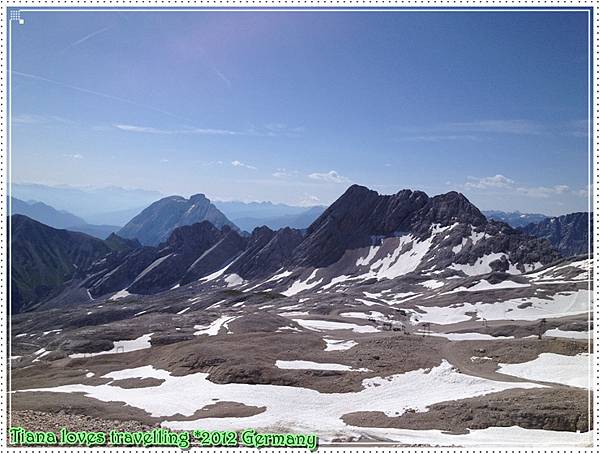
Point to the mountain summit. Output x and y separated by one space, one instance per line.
361 214
363 237
154 224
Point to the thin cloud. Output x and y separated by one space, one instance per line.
283 173
504 185
282 130
329 177
496 181
481 129
95 93
34 119
268 131
73 156
85 38
221 76
208 62
518 126
309 200
199 131
439 138
546 191
237 163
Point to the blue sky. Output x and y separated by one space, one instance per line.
294 106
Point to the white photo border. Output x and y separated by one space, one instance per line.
14 13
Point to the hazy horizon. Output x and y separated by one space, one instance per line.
247 201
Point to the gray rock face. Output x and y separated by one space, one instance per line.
494 238
266 257
569 233
173 257
118 270
44 258
154 224
360 214
216 257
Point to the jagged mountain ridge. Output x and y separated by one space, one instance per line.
360 213
363 235
568 233
155 223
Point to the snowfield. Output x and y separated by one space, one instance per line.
324 325
569 334
560 305
296 409
553 368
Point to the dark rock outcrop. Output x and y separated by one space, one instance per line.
174 257
268 252
44 258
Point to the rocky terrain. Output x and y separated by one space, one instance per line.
405 318
568 233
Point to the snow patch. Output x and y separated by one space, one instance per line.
120 294
214 328
310 365
554 368
325 325
300 286
338 344
122 346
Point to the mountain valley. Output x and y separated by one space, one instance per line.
398 318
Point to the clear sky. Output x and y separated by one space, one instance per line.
294 106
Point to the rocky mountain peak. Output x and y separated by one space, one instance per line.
199 198
446 209
155 223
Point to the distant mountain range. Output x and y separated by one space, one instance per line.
274 216
108 205
515 218
568 233
296 221
59 219
45 214
248 216
155 223
237 210
442 234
